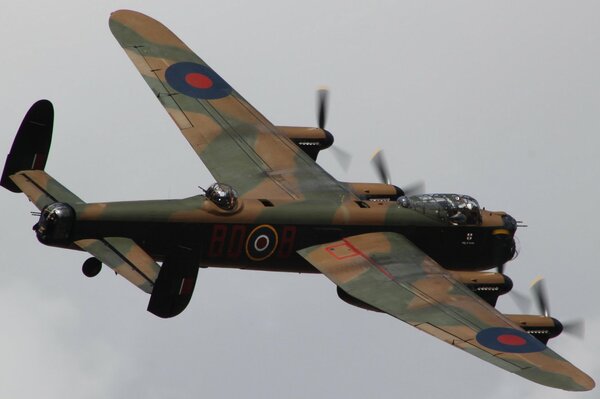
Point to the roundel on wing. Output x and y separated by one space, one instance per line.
261 242
509 340
196 80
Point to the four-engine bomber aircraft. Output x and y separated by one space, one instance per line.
418 258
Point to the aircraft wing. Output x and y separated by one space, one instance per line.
237 144
387 271
126 258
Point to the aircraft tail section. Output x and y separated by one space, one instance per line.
31 145
42 189
24 166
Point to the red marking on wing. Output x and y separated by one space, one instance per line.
198 80
369 259
512 340
341 251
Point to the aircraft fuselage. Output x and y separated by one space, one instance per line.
265 235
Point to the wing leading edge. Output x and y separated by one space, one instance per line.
390 273
237 144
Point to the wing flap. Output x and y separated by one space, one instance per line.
390 273
126 258
467 347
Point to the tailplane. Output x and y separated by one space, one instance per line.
42 189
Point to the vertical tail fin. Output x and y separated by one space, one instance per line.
24 167
31 145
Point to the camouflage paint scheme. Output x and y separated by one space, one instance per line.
291 216
238 145
388 272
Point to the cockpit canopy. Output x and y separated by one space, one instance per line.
222 195
458 209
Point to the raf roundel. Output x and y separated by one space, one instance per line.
261 242
509 340
197 81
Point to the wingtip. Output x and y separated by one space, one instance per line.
126 15
568 378
116 13
123 11
589 384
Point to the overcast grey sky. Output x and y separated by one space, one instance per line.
498 100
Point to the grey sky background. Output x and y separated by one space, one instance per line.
498 100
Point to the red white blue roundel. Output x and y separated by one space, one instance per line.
196 80
261 242
509 340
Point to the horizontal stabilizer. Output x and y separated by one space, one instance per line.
31 145
42 189
126 258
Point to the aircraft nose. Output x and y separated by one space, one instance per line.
510 223
504 246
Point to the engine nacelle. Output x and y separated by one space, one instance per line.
487 285
541 327
375 191
311 140
349 299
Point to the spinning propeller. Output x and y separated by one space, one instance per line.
500 266
343 157
575 327
381 168
522 301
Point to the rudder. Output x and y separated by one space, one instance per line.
31 145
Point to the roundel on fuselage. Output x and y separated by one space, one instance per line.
261 242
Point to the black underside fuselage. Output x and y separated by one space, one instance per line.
273 246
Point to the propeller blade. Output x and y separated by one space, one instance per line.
521 300
415 188
322 96
343 157
541 297
381 167
575 327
